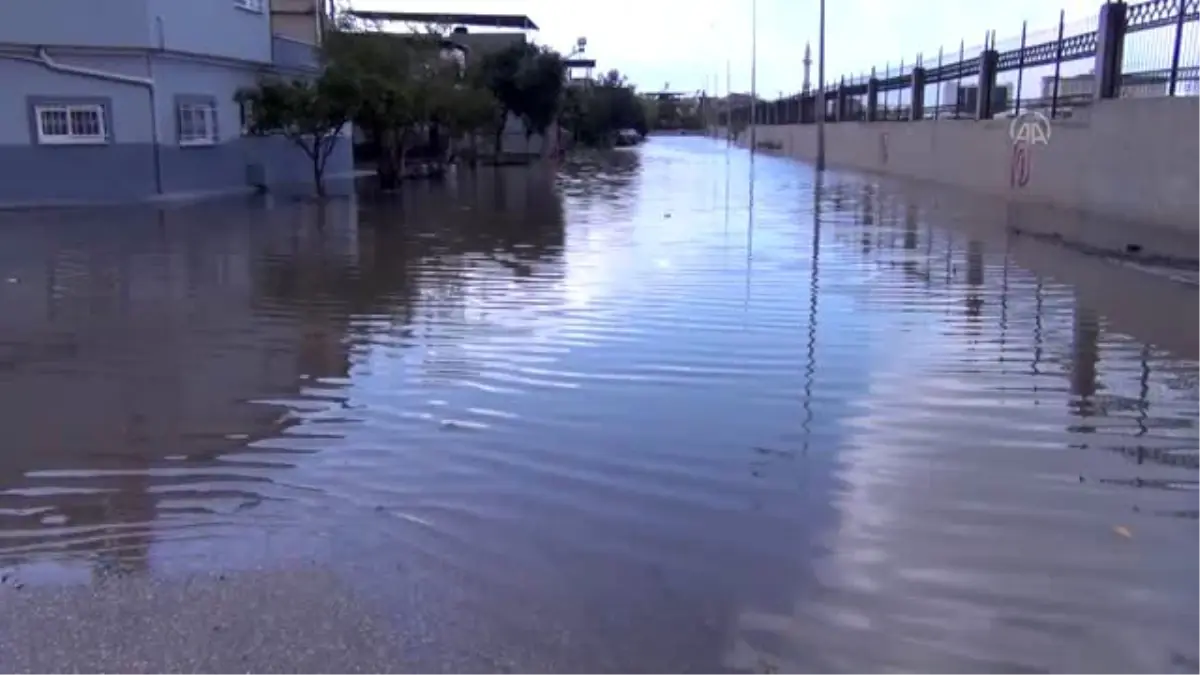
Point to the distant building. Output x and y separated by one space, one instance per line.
964 98
1073 87
579 71
1084 86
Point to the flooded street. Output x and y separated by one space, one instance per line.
645 413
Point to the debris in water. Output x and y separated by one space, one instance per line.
1123 531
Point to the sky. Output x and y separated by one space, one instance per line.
685 45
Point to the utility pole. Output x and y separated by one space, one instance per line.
821 91
754 75
728 104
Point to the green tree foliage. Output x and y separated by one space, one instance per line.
541 81
465 108
309 112
527 81
396 80
594 113
402 95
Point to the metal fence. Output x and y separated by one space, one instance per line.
1051 71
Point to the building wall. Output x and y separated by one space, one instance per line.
131 166
214 27
297 20
1129 159
121 23
223 165
122 169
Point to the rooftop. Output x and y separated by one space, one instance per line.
510 21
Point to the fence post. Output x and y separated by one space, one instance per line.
916 107
872 97
1110 36
1179 21
986 89
887 97
937 93
841 100
1020 67
958 97
1058 50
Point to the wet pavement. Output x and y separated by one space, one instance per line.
659 410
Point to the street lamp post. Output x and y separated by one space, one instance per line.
754 77
821 90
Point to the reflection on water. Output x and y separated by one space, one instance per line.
859 434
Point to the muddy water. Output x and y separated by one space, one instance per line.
659 410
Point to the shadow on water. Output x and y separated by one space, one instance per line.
139 340
924 445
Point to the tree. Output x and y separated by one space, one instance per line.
527 81
310 113
499 75
540 83
391 79
594 114
464 108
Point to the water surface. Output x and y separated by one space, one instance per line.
664 409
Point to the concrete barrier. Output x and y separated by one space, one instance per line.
1129 159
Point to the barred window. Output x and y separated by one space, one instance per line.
197 123
73 124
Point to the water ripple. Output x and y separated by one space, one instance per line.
819 422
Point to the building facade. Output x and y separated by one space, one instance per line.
137 100
1083 87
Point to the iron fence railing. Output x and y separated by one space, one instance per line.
1049 70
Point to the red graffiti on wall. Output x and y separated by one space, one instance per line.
1020 165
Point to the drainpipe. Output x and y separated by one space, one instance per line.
44 59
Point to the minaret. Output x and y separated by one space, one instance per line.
807 66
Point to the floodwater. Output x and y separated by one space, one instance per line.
668 409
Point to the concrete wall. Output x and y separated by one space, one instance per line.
118 23
214 27
1130 159
134 161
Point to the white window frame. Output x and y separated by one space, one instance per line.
249 5
209 112
67 109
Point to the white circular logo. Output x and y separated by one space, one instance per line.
1030 127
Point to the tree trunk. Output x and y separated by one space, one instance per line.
318 173
498 138
385 163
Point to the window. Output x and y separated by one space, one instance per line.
73 124
250 5
197 123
